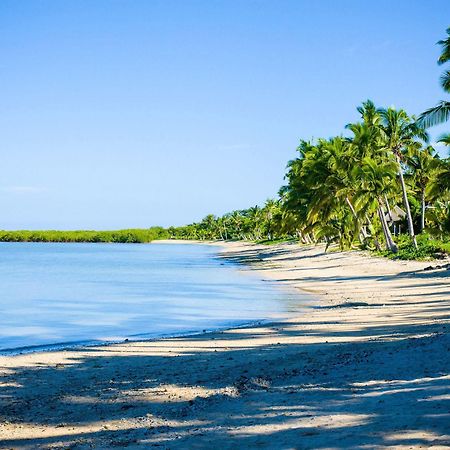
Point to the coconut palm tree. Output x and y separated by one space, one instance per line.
321 191
440 184
295 196
441 112
375 185
269 211
445 53
368 141
423 166
400 132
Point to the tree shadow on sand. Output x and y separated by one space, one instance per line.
242 394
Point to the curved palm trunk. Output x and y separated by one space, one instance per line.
362 231
374 235
388 207
406 203
390 244
422 219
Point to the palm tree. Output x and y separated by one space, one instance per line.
440 185
400 132
295 196
269 211
340 182
441 112
445 53
321 191
369 141
376 183
423 167
253 222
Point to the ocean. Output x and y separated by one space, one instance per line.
56 295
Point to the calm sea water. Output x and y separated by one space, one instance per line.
68 294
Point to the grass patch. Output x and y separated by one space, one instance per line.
428 248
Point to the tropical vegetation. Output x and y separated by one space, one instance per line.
360 190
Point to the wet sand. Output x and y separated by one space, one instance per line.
367 366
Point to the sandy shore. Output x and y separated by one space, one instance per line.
367 367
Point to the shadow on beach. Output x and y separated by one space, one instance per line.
272 396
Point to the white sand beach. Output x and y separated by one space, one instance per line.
367 366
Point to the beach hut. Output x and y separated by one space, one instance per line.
393 216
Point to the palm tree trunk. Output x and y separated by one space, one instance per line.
374 235
422 219
406 203
388 207
362 231
306 239
390 244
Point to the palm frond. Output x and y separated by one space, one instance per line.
445 81
435 115
445 43
444 139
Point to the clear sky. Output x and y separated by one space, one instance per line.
136 113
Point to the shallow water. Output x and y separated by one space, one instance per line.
53 294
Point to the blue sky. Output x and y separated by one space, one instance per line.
136 113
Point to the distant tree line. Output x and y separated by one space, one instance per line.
132 235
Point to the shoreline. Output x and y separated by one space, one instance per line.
148 336
74 346
367 366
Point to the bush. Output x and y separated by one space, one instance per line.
428 248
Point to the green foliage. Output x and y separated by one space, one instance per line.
428 248
441 112
344 190
119 236
255 224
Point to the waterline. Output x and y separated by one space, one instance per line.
65 295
